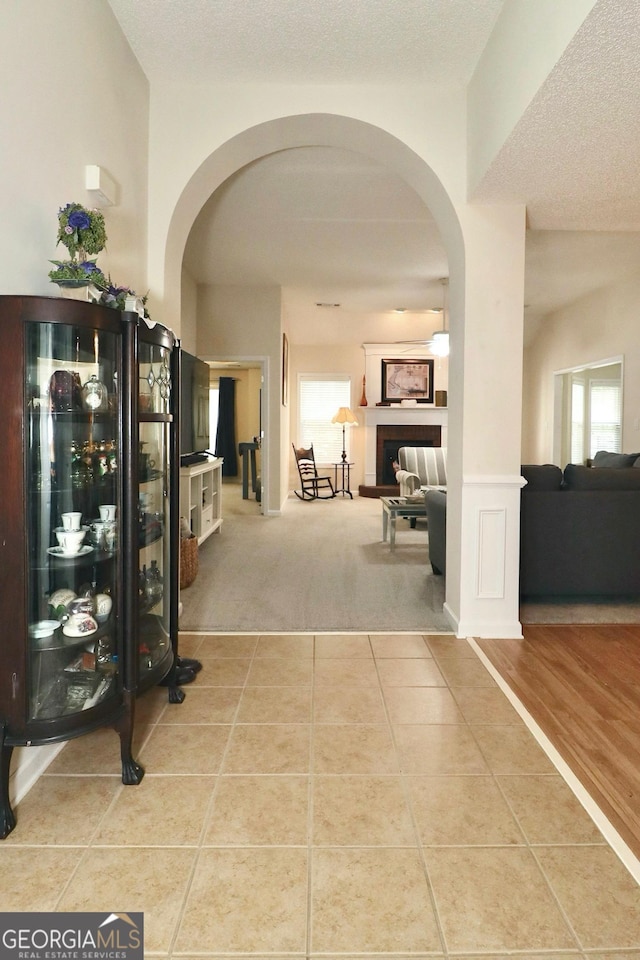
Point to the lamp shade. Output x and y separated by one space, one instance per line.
345 416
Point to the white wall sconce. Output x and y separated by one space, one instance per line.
102 189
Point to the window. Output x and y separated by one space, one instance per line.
605 405
588 412
319 397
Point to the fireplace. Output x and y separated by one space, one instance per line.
419 425
389 439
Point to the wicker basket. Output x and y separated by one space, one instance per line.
188 561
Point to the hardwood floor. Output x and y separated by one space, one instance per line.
581 684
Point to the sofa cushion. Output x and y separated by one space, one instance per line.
577 477
614 460
545 476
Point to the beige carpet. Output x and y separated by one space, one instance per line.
323 566
320 566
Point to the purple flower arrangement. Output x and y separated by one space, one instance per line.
76 273
83 233
114 296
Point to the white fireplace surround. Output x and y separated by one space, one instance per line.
396 414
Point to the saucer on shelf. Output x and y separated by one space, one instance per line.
59 552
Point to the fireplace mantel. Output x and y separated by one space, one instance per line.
396 413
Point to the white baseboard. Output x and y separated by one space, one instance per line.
499 630
29 764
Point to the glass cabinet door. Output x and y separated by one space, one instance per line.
73 495
154 504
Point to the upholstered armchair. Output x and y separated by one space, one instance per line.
421 468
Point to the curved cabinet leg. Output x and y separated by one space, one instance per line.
176 695
170 681
132 772
7 816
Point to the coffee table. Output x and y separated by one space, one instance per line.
394 507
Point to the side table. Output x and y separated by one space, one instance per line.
345 477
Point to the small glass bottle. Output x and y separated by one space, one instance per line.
154 584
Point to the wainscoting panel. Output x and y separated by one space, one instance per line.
488 604
492 526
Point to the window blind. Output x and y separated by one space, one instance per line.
605 427
319 398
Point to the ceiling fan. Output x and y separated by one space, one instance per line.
438 342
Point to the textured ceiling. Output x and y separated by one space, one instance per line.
573 157
308 41
347 231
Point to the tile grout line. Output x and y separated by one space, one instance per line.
310 808
526 845
207 815
405 781
407 797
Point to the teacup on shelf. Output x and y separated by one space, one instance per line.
103 607
70 541
71 520
80 625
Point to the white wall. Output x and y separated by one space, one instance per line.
189 126
188 319
600 326
72 94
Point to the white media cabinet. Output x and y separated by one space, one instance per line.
201 496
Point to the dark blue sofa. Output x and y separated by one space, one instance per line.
580 531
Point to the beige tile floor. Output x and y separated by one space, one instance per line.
328 796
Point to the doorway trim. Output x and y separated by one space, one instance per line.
261 362
561 403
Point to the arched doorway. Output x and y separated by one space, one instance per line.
481 581
309 130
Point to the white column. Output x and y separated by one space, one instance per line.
483 470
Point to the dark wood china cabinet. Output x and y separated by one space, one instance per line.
89 523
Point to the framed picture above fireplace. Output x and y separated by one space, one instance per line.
408 379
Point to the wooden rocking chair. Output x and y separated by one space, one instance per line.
310 481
